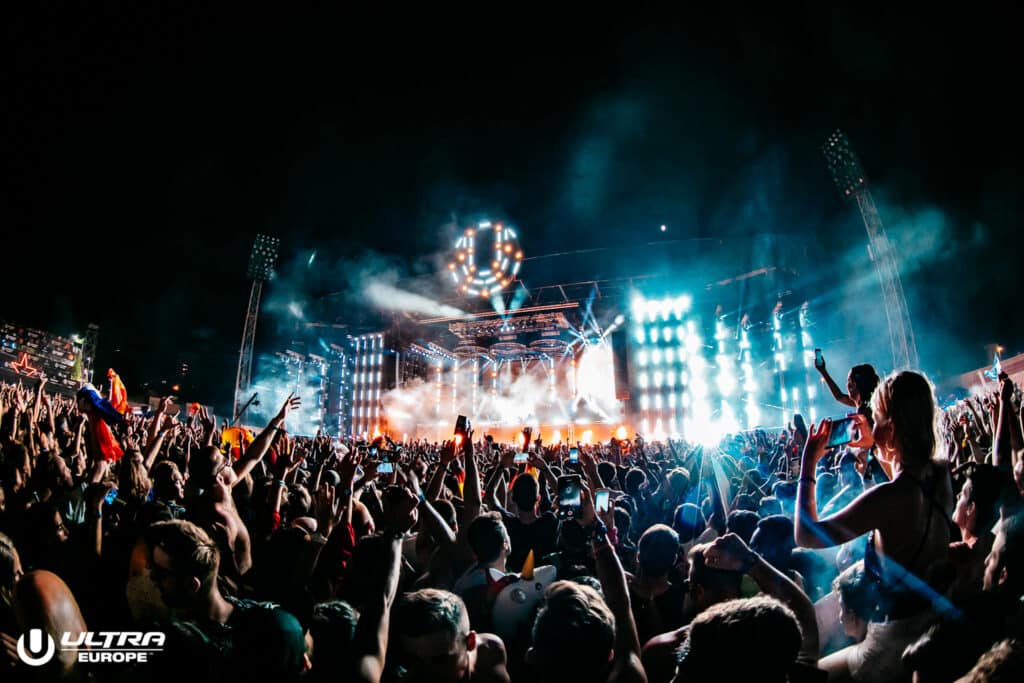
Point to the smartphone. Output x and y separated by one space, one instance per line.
574 454
819 360
842 432
601 501
110 497
569 496
521 458
462 425
385 466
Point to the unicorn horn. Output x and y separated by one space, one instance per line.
527 572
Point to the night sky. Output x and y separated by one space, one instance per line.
144 148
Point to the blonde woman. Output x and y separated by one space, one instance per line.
907 521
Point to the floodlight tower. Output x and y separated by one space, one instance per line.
851 181
261 267
92 335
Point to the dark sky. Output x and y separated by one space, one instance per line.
144 148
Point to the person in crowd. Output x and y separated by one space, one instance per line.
289 556
436 642
907 519
861 383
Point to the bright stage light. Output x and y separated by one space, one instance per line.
670 379
753 415
656 357
671 400
652 310
726 383
556 436
810 392
645 402
619 319
621 434
657 401
666 334
654 335
669 356
658 377
782 394
641 380
640 336
637 307
699 388
693 343
641 358
587 436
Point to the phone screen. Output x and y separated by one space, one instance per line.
842 432
574 455
110 497
386 467
568 496
819 359
601 501
521 457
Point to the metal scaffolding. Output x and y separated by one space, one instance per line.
851 181
261 267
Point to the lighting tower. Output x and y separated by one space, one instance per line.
261 268
851 181
92 335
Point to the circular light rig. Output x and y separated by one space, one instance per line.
486 259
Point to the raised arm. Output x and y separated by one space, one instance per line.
627 666
259 447
837 393
855 519
471 488
1008 433
370 643
730 553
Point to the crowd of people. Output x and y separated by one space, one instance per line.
776 555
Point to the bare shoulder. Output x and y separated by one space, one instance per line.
490 660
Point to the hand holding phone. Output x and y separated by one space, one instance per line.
842 432
574 454
521 458
819 360
602 500
569 496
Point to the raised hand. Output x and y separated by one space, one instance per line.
206 420
865 437
817 444
447 452
290 403
729 553
328 509
400 510
347 468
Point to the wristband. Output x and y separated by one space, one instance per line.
280 482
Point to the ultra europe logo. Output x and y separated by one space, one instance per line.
36 647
